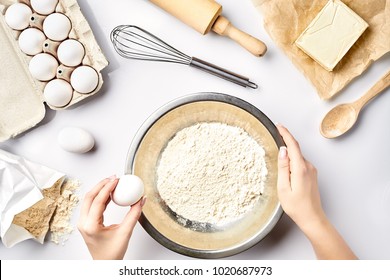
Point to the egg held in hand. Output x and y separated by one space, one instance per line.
129 190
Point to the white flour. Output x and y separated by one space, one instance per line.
211 173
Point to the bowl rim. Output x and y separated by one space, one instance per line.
154 117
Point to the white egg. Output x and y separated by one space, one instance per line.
75 140
84 79
57 26
44 7
129 190
18 16
70 52
58 93
31 41
43 67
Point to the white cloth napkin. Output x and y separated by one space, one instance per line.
21 185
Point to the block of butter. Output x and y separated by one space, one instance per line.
331 34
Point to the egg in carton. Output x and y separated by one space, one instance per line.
49 55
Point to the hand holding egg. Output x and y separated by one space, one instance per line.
129 190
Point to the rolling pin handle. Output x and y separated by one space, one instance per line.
222 26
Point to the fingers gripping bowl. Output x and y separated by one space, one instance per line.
163 224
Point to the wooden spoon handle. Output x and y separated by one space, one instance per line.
378 88
222 26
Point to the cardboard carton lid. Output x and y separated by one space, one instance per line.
20 101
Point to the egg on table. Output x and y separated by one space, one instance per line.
84 79
75 140
58 93
128 191
31 41
18 16
43 67
70 52
57 26
44 7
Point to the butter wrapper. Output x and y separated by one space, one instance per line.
22 183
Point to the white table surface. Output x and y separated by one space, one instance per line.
354 171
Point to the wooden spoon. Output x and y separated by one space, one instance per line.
342 117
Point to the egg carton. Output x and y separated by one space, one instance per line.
22 101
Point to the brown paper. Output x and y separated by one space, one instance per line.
36 219
286 20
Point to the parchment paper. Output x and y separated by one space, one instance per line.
285 20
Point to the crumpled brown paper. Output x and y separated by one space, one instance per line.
36 219
286 20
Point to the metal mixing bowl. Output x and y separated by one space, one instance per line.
142 160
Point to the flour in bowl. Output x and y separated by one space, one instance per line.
211 173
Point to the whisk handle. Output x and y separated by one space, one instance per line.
222 73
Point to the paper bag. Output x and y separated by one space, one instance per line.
22 184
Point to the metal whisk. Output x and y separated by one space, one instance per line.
136 43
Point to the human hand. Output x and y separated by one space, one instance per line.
106 242
300 199
297 185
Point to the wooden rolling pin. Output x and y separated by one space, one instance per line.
205 15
